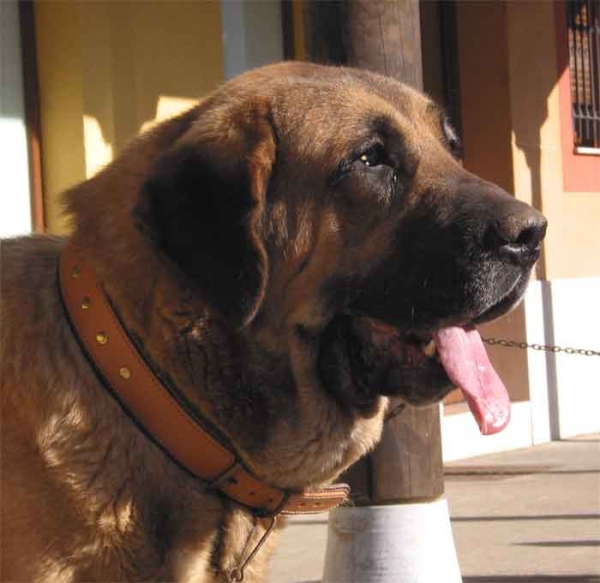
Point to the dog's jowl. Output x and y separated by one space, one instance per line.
274 263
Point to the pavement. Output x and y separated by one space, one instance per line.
524 516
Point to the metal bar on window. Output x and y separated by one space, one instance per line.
583 29
585 70
595 60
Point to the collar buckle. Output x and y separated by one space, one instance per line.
225 476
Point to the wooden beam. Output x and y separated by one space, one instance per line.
383 36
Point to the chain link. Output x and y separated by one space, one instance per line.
543 347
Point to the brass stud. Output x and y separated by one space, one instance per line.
125 372
76 272
85 303
102 338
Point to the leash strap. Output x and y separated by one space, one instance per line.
237 575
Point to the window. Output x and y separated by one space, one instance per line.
583 32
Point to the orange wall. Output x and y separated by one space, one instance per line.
486 119
569 195
513 130
484 78
581 172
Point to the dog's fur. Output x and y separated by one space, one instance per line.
243 244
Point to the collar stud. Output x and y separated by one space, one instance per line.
102 338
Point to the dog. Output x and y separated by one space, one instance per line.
289 254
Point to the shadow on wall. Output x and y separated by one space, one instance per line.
142 63
99 151
536 70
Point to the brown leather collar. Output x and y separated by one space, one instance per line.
159 412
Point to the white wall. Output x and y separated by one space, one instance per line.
564 389
461 437
565 312
15 201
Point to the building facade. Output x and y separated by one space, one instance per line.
80 79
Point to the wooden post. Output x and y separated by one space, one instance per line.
383 36
399 519
380 35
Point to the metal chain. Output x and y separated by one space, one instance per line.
542 347
511 344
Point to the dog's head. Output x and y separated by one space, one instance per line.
323 216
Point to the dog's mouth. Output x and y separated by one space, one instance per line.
362 358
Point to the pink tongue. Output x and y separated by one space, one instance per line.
467 365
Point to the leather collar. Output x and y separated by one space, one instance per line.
182 435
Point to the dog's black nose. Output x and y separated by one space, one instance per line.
516 236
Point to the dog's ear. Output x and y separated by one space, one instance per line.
204 201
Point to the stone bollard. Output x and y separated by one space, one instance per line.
400 543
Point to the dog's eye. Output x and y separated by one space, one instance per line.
374 156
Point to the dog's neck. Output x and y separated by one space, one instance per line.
158 410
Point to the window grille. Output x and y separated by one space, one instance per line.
583 29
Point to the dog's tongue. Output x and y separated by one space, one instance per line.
467 365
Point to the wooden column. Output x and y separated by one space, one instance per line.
380 35
383 36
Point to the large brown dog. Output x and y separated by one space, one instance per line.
281 253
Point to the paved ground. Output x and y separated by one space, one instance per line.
526 516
